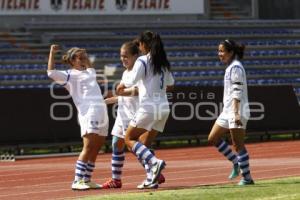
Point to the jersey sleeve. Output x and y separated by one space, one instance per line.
169 79
60 77
137 73
237 79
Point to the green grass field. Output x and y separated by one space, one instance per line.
277 189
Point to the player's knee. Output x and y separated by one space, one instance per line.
238 147
87 149
118 144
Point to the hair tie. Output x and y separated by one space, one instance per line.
228 42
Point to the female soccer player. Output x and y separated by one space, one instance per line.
151 73
127 106
235 112
80 81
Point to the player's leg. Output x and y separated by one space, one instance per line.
147 139
220 128
117 162
238 137
92 145
85 163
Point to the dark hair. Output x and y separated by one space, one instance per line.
231 45
158 55
132 47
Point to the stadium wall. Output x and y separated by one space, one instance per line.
30 116
279 9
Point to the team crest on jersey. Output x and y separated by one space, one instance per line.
121 4
94 124
56 4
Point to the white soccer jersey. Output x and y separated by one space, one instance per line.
82 86
152 88
235 87
127 105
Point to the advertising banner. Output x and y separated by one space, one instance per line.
100 7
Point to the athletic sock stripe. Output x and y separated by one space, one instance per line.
117 165
148 158
232 157
141 155
244 166
223 147
227 152
136 146
89 170
117 172
118 152
243 159
79 175
81 169
118 158
90 166
80 165
246 173
119 155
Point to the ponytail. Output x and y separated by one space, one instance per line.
158 54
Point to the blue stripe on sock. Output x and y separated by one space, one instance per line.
149 158
79 175
79 164
136 146
152 151
81 169
118 152
245 173
117 165
90 165
89 170
117 172
232 157
243 159
227 152
142 153
118 158
223 146
244 166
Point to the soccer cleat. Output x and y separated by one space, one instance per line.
147 185
235 172
112 183
161 179
246 182
93 185
156 170
79 185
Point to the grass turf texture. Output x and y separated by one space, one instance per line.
279 189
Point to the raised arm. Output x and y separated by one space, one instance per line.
51 63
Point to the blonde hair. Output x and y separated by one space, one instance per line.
69 56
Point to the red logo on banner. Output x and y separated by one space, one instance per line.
85 4
150 4
20 4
